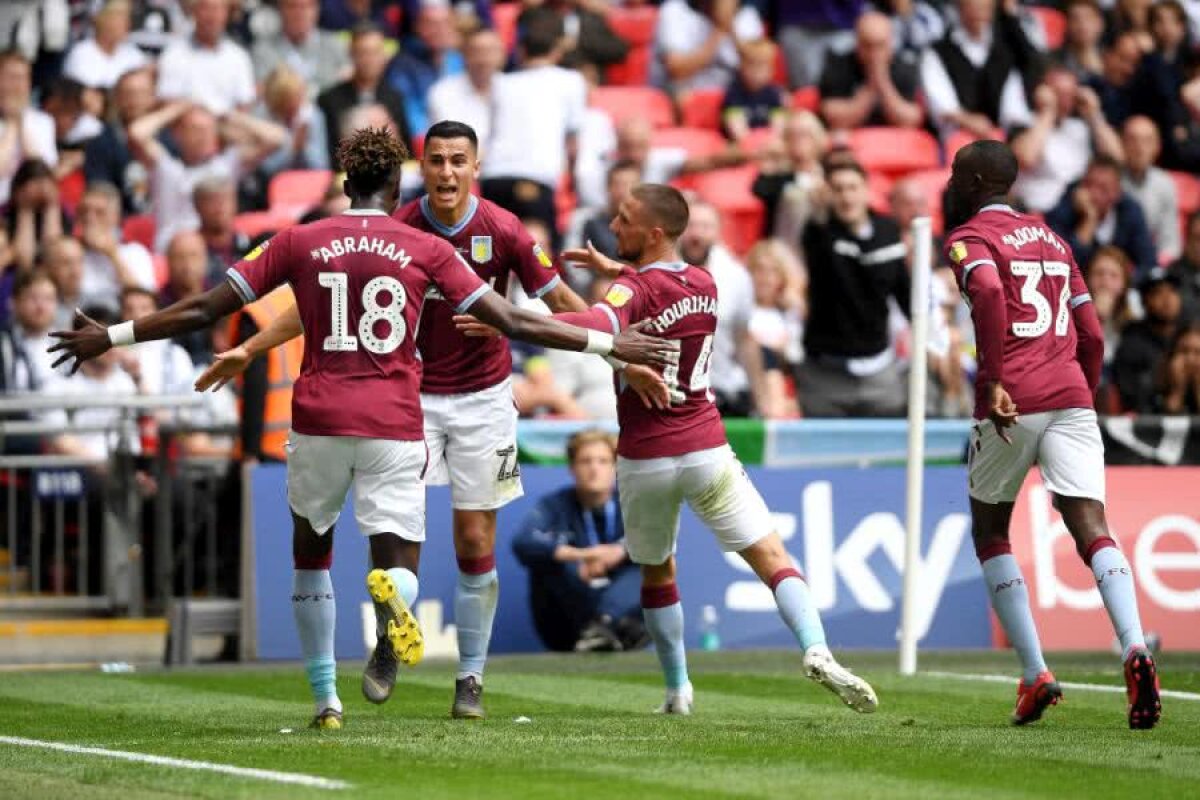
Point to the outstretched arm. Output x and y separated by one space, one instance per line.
234 361
93 339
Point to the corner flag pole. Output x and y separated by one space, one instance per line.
922 239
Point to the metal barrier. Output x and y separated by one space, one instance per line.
77 529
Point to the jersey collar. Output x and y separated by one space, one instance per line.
669 266
997 207
364 212
447 230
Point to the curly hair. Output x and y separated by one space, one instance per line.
371 159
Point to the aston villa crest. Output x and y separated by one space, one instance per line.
481 249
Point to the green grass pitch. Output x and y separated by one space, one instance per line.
760 730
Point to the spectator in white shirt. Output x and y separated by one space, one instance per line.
25 132
34 306
737 373
467 97
163 366
1152 187
99 61
696 49
320 57
62 258
588 381
207 68
109 265
1054 151
537 113
286 104
971 78
200 155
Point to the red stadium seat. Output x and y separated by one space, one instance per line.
70 189
895 151
960 139
565 202
702 109
1187 187
139 228
504 20
878 186
418 145
696 141
634 25
741 212
255 223
807 97
622 102
757 138
1054 25
296 191
633 71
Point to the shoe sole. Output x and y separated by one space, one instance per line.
402 630
467 713
377 693
1049 695
854 692
1141 675
327 722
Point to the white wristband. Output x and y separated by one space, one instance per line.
598 343
616 363
121 335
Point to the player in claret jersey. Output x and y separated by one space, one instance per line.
359 279
679 453
1040 350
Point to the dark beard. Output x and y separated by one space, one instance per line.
697 257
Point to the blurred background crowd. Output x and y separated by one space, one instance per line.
145 145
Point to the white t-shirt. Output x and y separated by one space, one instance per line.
100 284
171 185
93 67
1064 160
735 307
38 127
589 381
116 384
681 29
166 367
219 78
533 112
455 97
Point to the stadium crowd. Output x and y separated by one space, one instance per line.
146 145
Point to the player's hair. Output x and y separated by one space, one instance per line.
27 280
453 129
589 436
667 207
993 161
1104 161
541 31
371 159
138 291
102 314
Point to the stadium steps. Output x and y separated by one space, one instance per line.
42 640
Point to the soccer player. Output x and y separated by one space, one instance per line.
679 453
359 279
1040 351
466 393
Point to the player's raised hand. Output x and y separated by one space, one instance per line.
635 347
593 259
225 367
469 326
650 387
89 340
1002 411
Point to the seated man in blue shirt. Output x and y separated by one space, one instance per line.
583 589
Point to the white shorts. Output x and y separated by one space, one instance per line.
472 442
715 486
1065 444
389 493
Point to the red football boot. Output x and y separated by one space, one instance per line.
1141 689
1032 699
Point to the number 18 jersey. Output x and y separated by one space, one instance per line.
681 301
359 278
1042 285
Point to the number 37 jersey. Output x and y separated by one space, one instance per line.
681 301
1042 286
359 278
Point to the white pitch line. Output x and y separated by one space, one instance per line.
1087 687
311 781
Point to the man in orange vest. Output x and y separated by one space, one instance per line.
265 390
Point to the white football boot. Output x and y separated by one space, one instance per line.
679 701
820 666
